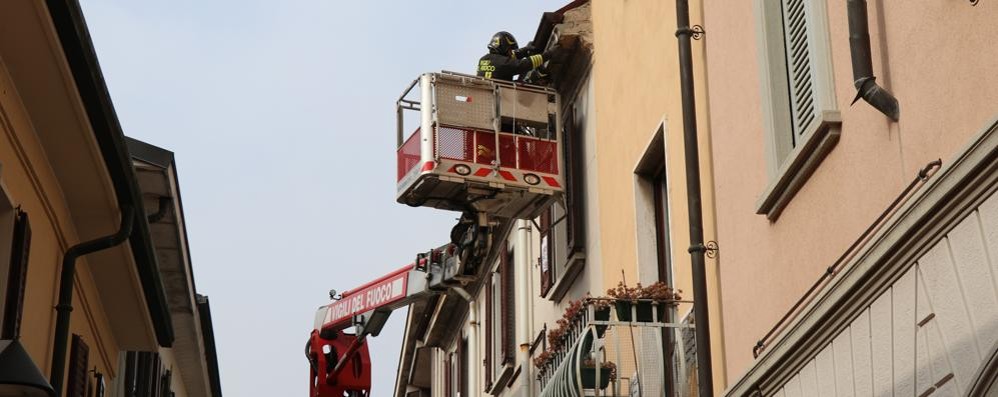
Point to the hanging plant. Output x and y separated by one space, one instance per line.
542 360
607 374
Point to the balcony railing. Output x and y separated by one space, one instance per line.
621 348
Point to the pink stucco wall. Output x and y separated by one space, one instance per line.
940 58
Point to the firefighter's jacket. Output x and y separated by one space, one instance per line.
504 67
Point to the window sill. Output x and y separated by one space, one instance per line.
501 381
572 271
799 165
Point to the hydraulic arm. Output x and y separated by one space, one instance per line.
488 148
339 360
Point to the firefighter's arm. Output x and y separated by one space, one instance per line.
526 51
524 65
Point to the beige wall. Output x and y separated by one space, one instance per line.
938 58
636 76
29 181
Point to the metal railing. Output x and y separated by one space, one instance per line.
621 348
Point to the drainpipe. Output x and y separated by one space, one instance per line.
522 321
473 346
693 198
65 305
862 66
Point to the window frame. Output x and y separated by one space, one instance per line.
500 323
567 233
789 165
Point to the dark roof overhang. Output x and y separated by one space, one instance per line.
77 47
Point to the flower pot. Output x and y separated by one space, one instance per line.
623 310
589 378
644 312
601 315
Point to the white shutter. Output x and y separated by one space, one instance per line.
799 66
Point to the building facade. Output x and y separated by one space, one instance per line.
74 236
834 210
624 219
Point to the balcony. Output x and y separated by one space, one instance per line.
620 348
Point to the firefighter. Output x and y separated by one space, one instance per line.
506 59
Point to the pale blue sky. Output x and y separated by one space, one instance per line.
281 115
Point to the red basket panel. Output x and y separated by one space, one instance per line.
538 155
408 155
485 147
507 150
455 143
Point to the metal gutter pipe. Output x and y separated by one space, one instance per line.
65 306
705 372
524 292
862 66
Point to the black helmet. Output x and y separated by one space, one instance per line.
502 43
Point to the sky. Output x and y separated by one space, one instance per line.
281 116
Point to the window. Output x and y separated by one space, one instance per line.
448 374
500 324
652 213
462 368
798 95
660 192
144 376
655 253
566 233
546 254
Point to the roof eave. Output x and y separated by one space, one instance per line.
77 47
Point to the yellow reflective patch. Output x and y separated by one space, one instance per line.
536 60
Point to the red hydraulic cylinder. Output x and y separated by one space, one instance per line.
354 378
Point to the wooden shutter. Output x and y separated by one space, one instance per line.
508 305
18 277
489 322
462 368
575 179
799 68
448 376
76 381
131 373
165 387
148 375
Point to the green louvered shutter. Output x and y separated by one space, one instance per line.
800 69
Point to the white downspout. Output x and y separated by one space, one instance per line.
523 274
474 363
532 294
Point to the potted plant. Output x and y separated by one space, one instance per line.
574 312
654 297
556 337
601 312
542 360
607 373
623 297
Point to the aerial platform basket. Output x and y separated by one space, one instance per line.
484 145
